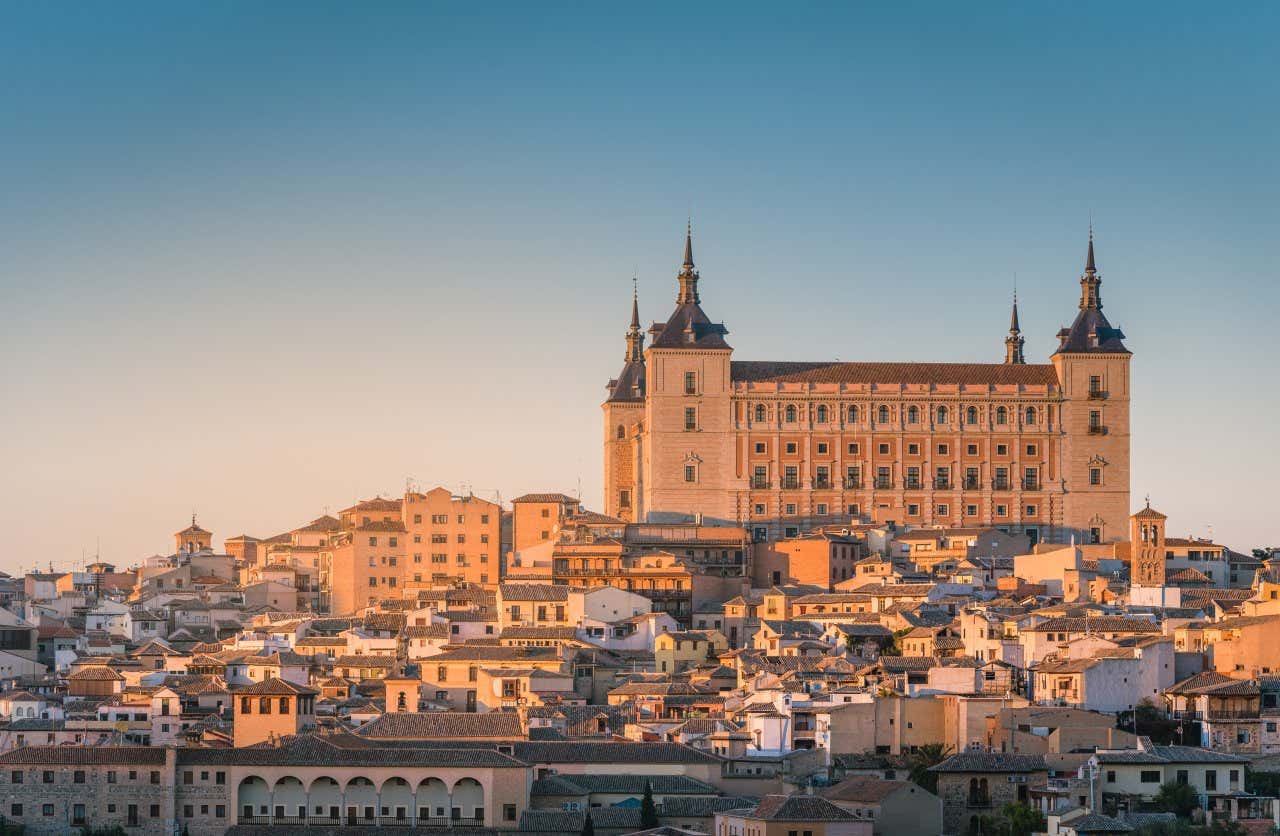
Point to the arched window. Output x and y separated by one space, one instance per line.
822 415
1002 415
913 415
401 702
760 413
1031 416
971 415
884 414
853 414
942 415
621 432
791 414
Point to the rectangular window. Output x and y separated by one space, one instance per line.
690 473
913 449
944 510
822 448
913 510
1095 476
884 449
791 448
47 809
15 777
944 450
971 510
1150 776
822 509
690 383
853 449
1002 510
761 447
15 810
1095 535
1031 449
690 418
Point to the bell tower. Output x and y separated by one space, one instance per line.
1146 547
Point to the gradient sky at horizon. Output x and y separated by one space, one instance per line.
259 260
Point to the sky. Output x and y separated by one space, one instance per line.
260 260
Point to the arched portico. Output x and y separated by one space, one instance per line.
397 800
253 799
468 800
361 804
325 800
433 800
289 801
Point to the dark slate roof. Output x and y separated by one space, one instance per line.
348 750
690 327
991 762
981 374
444 726
1075 339
629 384
798 808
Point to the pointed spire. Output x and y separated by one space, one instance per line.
635 337
1014 342
688 276
1090 282
1089 266
688 245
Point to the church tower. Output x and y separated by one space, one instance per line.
1146 548
1092 365
623 413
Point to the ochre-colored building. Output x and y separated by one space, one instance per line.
780 447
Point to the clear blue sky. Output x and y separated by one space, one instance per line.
260 259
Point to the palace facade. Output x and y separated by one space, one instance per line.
780 447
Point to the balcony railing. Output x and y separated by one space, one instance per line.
1224 714
1031 484
883 483
790 484
1097 429
999 484
971 483
852 484
942 484
761 484
441 822
1097 395
911 484
821 483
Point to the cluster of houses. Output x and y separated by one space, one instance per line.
858 680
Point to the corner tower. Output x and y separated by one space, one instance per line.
687 441
1092 363
623 414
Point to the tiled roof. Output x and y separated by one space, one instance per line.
546 497
493 653
701 806
982 374
561 633
275 686
533 592
95 673
991 762
444 726
866 788
1098 823
560 822
1095 624
354 661
623 784
346 750
798 808
393 526
77 755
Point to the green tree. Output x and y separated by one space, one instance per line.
1179 799
1023 819
588 827
648 810
924 757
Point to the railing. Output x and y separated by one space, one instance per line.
821 484
761 484
971 483
790 484
1224 714
852 484
1097 430
999 484
1031 484
883 483
911 484
1097 395
942 484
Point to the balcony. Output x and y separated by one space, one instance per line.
999 484
883 483
971 483
761 484
1097 395
1097 429
942 484
821 483
1226 714
911 484
1031 484
790 484
442 822
852 484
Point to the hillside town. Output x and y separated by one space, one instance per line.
822 600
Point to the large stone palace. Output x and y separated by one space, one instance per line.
779 447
